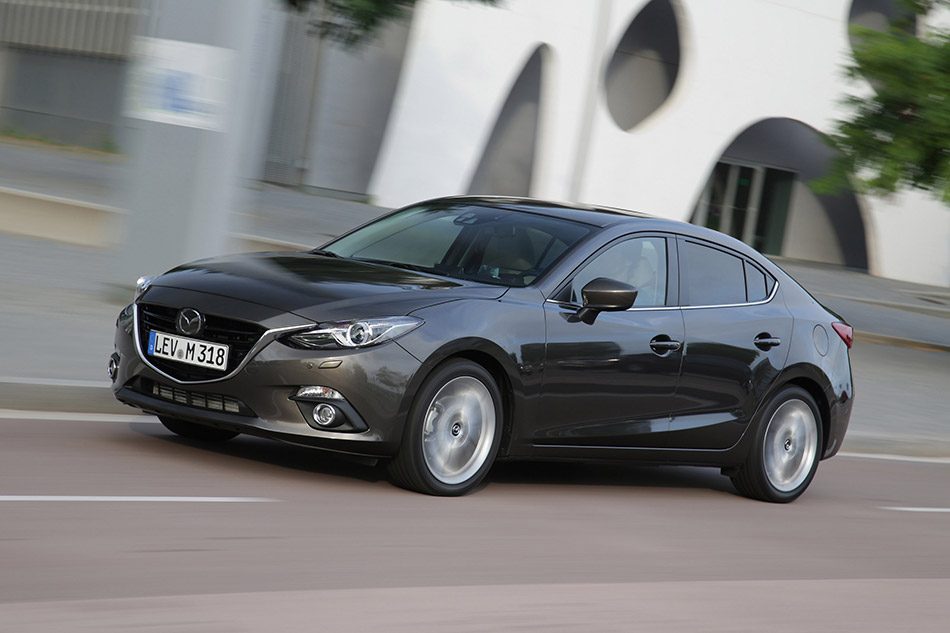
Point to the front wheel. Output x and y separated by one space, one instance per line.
452 433
786 449
195 431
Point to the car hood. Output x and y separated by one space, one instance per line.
321 288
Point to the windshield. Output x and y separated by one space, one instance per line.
486 244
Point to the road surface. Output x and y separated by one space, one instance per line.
112 523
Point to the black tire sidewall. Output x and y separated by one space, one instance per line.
756 461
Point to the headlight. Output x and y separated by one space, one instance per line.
141 285
361 333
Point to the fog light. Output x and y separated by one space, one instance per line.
324 414
113 367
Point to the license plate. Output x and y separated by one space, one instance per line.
187 350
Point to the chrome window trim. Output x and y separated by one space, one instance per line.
265 339
699 241
739 305
768 299
568 304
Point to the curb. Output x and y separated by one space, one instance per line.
60 219
896 341
51 396
933 311
86 224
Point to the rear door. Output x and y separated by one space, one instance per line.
736 343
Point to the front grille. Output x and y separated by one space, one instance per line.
240 336
196 399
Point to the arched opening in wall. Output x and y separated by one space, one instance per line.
643 69
758 193
507 164
878 15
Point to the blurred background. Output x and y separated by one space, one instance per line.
139 134
190 122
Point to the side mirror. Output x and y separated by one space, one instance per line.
605 295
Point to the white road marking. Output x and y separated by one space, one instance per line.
55 382
138 499
899 509
898 458
69 416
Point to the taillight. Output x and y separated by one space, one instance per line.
845 331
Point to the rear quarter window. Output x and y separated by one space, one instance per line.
757 286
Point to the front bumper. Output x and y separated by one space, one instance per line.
258 398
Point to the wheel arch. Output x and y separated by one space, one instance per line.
813 387
493 367
502 368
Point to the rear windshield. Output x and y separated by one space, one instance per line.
486 244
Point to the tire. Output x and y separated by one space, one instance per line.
195 431
785 451
452 433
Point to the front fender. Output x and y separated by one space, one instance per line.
505 334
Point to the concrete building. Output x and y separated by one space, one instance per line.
62 69
687 109
690 109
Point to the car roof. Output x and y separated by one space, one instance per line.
577 212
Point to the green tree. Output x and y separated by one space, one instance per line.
355 21
898 134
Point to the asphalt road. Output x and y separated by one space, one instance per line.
111 523
900 401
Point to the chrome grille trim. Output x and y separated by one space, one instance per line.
266 338
238 335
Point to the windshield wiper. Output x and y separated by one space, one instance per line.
324 253
412 267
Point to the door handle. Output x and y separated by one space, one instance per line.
766 341
662 344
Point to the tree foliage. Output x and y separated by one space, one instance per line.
898 134
355 21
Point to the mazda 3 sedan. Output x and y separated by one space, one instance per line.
460 331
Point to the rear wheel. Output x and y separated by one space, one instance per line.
786 450
452 433
195 431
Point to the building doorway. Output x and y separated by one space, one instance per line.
748 202
758 192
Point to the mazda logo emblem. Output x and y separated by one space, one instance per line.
190 322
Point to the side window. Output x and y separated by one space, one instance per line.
713 276
640 262
757 288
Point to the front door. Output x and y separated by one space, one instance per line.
610 383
